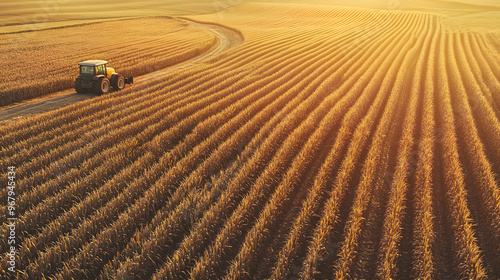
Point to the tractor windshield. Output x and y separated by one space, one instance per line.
89 70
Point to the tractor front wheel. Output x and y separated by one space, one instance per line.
78 86
102 86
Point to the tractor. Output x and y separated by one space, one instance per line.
96 77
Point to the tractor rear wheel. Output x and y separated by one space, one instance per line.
102 86
120 83
78 86
117 81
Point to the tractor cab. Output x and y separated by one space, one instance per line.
87 70
95 76
91 68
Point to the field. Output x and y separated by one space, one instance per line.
336 142
38 63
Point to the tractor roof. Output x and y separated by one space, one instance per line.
92 62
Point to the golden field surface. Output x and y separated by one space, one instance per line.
336 142
28 14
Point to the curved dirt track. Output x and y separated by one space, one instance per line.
226 39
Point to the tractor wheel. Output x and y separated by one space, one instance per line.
78 86
102 86
120 83
114 80
117 81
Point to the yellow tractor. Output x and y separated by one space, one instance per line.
95 76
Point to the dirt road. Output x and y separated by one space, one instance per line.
226 39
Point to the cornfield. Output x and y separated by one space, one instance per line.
335 143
